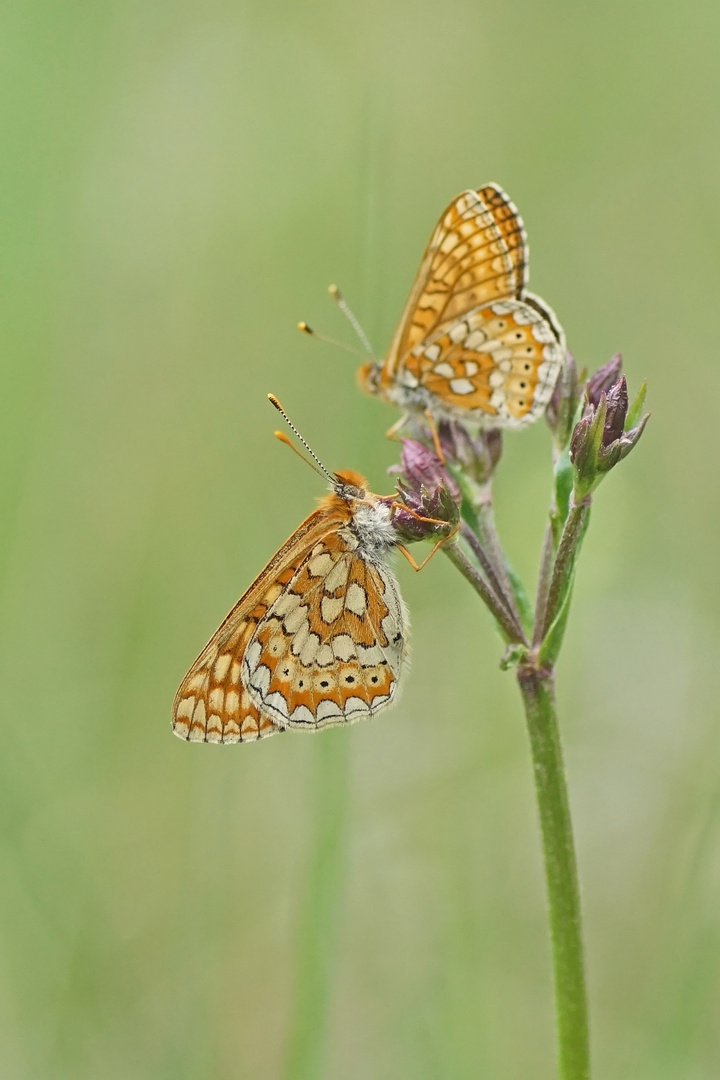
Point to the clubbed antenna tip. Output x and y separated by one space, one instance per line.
318 465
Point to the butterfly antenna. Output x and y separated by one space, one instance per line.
316 463
351 318
329 341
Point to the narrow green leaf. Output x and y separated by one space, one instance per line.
521 598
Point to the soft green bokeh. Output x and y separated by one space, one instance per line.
180 183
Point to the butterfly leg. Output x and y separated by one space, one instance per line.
435 437
421 517
426 560
392 432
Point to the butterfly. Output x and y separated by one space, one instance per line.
473 344
321 635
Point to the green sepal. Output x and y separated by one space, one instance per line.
586 451
469 516
467 513
633 415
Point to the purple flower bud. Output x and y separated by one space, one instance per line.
603 379
428 490
617 407
421 468
610 455
599 440
476 455
425 517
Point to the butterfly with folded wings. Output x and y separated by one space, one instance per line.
473 344
320 637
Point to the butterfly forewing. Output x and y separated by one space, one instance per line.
506 218
212 703
475 255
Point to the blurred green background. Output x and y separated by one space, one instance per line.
180 183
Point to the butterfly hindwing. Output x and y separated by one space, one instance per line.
318 639
501 360
330 648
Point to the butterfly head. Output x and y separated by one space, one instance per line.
369 376
368 517
350 485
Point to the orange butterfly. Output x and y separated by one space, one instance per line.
320 636
473 344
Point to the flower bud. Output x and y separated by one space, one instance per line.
420 467
475 455
605 377
617 407
428 490
599 440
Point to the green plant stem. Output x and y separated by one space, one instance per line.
537 689
490 540
475 545
543 586
316 932
509 625
572 534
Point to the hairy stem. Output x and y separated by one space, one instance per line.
476 546
490 540
318 918
563 893
509 624
572 534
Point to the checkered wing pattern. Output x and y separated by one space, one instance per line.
330 648
498 364
318 639
476 254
